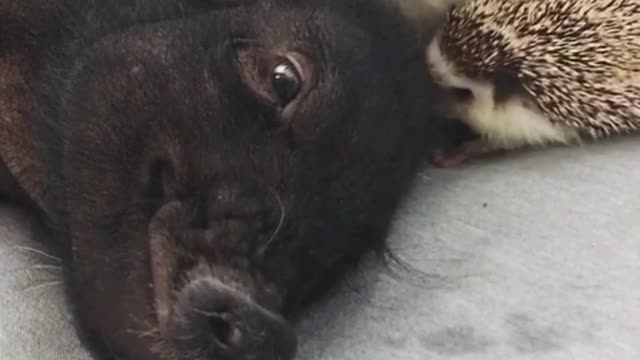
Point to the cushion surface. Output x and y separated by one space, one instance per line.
532 255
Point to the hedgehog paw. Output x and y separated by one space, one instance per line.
461 154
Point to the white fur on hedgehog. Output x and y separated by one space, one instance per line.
607 57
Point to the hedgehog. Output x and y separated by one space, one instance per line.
531 73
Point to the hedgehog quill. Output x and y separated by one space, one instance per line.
525 73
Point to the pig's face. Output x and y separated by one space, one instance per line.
221 170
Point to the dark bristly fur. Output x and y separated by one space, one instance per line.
148 135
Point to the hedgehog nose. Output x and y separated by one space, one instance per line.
223 324
461 94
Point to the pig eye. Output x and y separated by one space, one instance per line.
286 81
280 80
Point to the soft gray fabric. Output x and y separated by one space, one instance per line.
529 256
34 323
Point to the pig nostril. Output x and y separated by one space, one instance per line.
220 322
223 331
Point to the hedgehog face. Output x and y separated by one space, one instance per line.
494 108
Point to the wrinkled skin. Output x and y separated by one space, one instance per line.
208 168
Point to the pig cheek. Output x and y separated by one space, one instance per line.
112 289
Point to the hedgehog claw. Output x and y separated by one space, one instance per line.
442 159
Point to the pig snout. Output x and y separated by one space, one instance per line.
215 312
218 322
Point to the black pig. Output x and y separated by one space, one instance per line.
207 167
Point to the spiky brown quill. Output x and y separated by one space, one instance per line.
534 72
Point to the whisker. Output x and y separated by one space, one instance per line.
160 347
275 233
29 268
36 251
151 333
42 285
204 312
187 337
113 353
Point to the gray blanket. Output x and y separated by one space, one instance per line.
529 256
